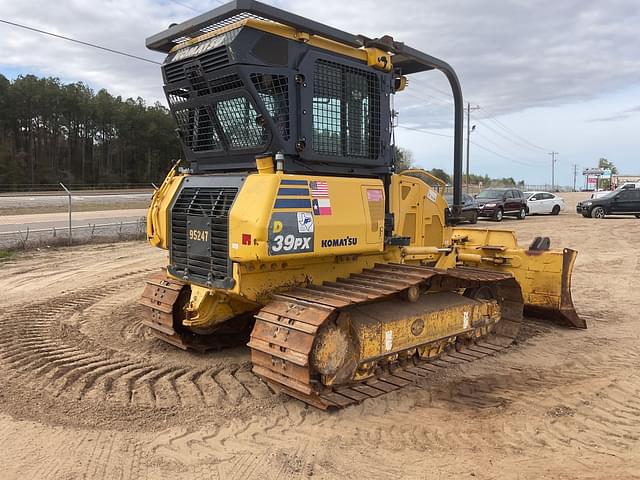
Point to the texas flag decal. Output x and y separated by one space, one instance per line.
321 206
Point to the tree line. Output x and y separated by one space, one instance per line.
53 132
403 160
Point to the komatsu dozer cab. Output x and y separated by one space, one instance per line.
287 215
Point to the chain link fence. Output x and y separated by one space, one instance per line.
25 239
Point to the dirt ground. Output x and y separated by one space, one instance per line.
87 393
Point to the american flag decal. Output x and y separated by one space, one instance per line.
319 189
320 202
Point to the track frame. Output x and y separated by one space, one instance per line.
286 328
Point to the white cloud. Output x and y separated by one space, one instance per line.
115 24
511 55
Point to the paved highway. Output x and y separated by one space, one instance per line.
38 221
31 201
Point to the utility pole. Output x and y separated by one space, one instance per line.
575 175
469 130
553 169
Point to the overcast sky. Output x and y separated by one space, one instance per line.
547 74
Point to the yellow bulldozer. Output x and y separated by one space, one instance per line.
288 215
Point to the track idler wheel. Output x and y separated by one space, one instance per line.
334 352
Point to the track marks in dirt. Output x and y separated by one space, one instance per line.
60 348
32 451
46 346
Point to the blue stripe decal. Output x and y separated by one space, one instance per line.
292 203
294 182
300 192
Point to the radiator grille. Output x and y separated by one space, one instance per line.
213 203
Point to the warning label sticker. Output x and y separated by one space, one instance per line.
375 195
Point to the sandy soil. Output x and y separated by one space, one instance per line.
86 393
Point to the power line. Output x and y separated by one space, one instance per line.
193 8
443 102
503 156
478 133
430 100
521 141
428 132
87 44
185 5
420 80
509 130
507 138
482 147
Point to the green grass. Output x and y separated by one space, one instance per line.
5 255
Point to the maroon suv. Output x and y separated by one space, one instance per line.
495 203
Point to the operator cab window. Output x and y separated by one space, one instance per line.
346 111
240 123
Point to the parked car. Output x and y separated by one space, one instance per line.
469 206
495 203
622 201
544 202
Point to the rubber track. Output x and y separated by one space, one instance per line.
285 329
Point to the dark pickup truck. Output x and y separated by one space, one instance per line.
495 203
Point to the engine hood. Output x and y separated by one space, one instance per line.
596 201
